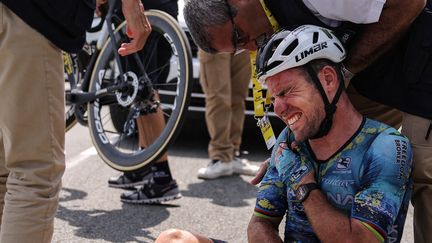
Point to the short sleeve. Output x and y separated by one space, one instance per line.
356 11
271 199
386 181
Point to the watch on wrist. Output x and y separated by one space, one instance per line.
347 74
304 190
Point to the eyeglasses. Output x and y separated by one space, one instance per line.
238 40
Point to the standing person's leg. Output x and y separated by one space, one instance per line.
161 187
4 172
416 128
151 126
32 129
240 79
215 79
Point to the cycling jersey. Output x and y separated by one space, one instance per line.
368 179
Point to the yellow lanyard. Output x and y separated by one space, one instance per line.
270 17
260 104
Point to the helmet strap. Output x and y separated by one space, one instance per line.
330 108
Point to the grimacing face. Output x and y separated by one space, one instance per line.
297 102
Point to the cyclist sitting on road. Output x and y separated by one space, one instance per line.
336 174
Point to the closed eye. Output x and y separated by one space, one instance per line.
284 92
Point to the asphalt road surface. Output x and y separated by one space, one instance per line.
90 211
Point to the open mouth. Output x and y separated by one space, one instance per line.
294 119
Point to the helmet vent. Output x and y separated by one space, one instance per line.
275 44
290 48
338 46
273 65
315 37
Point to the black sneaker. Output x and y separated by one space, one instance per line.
152 193
129 180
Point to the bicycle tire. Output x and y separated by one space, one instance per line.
120 150
72 75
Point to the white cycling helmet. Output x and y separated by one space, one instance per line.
288 49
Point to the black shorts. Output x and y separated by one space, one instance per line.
218 241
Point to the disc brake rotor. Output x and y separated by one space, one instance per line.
125 98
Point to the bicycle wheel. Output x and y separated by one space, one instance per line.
167 59
72 75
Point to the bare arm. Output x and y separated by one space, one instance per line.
261 172
331 225
377 38
263 230
138 27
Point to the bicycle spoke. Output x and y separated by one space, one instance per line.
168 73
165 84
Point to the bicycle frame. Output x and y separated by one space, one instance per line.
80 95
117 97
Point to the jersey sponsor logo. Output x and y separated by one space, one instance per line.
310 51
297 174
392 233
340 199
401 156
343 163
337 182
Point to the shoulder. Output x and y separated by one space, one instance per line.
390 141
390 151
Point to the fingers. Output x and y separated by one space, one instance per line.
138 27
261 172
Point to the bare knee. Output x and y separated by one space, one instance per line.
181 236
173 235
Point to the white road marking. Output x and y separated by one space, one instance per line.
83 156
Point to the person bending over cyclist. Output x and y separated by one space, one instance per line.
336 175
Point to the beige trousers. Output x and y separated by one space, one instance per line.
225 79
415 129
32 131
374 110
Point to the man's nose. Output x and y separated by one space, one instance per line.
278 106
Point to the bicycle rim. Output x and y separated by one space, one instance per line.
172 76
71 74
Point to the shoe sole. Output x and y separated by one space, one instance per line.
125 186
153 200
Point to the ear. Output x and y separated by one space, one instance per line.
329 78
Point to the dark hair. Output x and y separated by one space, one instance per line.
318 64
200 15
